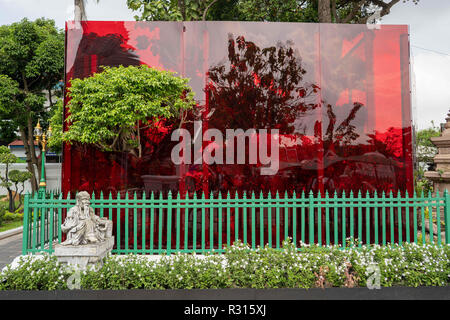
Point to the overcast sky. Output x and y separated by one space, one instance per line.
429 23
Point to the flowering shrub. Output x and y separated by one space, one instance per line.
32 273
240 267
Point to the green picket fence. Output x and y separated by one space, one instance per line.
164 225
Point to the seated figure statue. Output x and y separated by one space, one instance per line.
82 225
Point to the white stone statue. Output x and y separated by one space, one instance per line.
83 226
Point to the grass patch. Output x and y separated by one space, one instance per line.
9 225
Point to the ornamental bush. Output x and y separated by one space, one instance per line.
240 267
110 109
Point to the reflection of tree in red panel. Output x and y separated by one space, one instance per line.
145 42
260 87
389 143
257 88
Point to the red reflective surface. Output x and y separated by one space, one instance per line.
338 94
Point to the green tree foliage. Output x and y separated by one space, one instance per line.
13 177
110 108
31 63
425 152
425 149
7 131
338 11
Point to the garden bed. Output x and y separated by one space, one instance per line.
410 265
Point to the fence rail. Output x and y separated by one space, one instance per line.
159 225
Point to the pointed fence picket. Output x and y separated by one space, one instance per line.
158 224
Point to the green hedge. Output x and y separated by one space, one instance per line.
409 265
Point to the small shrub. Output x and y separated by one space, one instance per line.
43 273
12 216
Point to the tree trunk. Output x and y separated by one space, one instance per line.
80 12
324 11
34 159
182 7
10 194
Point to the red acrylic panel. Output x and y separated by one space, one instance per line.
365 113
339 96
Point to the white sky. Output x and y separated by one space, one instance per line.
429 23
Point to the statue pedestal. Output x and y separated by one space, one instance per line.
84 255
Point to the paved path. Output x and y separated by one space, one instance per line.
9 249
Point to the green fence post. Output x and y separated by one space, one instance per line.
160 222
101 203
203 222
244 217
194 222
127 244
228 202
430 214
118 222
352 234
383 218
407 229
311 218
438 218
219 233
152 222
303 223
415 217
367 218
51 226
344 223
447 217
135 224
60 217
391 217
327 218
169 224
178 222
360 237
186 222
422 218
319 219
286 216
399 201
253 221
143 222
211 220
336 219
277 222
25 224
375 216
294 218
261 219
43 222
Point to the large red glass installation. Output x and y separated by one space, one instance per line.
339 96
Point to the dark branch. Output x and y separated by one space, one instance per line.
356 8
207 9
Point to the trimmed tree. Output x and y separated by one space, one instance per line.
110 109
13 177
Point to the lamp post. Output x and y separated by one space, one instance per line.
41 137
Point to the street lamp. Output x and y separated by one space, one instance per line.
41 137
